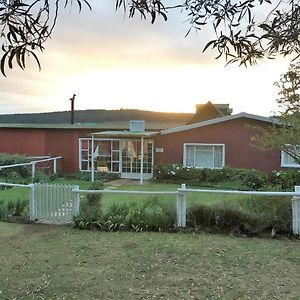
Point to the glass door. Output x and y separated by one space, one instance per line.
131 159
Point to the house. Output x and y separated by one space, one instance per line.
212 138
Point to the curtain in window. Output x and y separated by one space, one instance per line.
288 159
218 156
190 156
204 159
204 156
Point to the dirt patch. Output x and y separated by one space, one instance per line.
120 182
36 228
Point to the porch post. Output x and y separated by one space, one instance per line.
142 160
93 161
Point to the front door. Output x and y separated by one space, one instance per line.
117 156
131 159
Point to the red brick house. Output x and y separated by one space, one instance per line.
213 139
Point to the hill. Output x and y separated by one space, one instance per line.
96 116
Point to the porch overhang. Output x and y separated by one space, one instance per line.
124 134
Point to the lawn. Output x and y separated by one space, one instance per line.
48 262
207 198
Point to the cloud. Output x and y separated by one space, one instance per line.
112 62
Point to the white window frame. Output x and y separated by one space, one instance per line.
203 144
285 165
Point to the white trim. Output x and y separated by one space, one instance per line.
120 141
219 120
203 144
93 160
284 165
142 161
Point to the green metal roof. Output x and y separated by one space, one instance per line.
150 126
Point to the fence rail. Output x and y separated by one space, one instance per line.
258 193
47 195
106 191
33 164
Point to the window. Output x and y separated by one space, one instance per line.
203 155
288 161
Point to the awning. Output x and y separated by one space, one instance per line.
124 134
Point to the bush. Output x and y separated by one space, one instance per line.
152 216
4 212
240 178
222 218
251 216
286 180
275 212
41 177
11 159
13 208
90 206
86 176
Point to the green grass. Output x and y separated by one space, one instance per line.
48 262
108 199
204 198
14 194
23 193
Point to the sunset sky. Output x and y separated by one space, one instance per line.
113 62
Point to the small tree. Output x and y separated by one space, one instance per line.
285 133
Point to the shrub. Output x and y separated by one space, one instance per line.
286 180
152 216
41 177
115 216
275 212
86 176
83 222
4 213
251 216
11 159
242 178
13 208
252 178
90 206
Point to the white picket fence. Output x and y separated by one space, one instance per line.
53 203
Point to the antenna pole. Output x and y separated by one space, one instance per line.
72 99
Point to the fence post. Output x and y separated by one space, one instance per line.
76 200
54 165
181 207
33 170
32 206
296 212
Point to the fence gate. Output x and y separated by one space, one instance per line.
53 203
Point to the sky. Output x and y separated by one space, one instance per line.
112 62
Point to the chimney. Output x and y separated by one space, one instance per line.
209 111
72 99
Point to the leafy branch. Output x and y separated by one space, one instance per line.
25 27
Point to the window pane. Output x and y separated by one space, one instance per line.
190 156
204 148
218 156
287 159
204 159
204 156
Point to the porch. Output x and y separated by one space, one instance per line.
129 154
